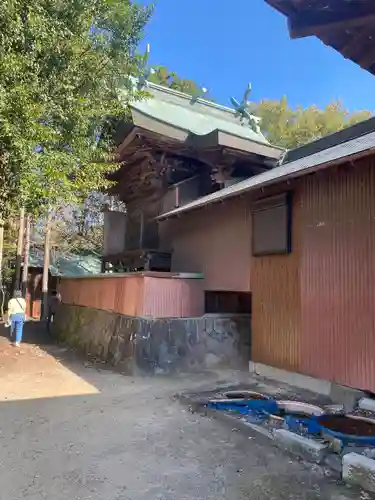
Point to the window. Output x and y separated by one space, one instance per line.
271 225
227 302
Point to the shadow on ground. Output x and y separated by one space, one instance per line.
72 430
42 368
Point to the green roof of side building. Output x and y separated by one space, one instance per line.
68 264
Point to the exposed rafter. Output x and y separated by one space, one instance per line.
368 59
347 26
354 47
307 23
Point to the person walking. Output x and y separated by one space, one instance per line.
53 304
16 316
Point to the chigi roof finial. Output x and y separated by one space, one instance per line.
243 110
199 94
146 71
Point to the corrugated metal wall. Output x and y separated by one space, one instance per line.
215 241
338 276
173 298
276 318
313 311
137 295
118 294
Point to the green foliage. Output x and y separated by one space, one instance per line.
162 76
61 64
290 128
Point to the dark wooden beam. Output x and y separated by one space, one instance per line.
283 6
353 48
368 59
311 22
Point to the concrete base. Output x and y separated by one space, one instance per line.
338 393
367 404
306 448
359 470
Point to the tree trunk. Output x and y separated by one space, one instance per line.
47 239
21 231
26 253
2 291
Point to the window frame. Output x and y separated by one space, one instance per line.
273 202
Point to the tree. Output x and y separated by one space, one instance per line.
162 76
289 128
61 65
65 72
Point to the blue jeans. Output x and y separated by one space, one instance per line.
17 321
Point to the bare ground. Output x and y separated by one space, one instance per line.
72 431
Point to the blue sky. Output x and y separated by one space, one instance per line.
223 44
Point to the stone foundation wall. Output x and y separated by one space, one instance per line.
145 345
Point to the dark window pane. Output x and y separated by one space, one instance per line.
271 226
227 302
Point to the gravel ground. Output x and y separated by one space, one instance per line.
72 431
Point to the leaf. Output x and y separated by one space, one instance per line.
61 65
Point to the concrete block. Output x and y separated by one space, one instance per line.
306 448
367 404
346 396
334 462
259 429
334 409
291 378
359 470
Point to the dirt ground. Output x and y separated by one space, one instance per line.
70 430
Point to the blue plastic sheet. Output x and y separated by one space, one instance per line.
245 406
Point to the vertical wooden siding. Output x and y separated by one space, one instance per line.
276 318
338 276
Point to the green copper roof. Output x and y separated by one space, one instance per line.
197 116
67 264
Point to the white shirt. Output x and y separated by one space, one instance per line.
16 306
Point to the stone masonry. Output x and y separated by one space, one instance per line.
164 345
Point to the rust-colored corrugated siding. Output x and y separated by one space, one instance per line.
276 318
158 297
173 298
313 310
338 276
123 295
215 241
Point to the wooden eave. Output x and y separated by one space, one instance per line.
347 26
141 142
